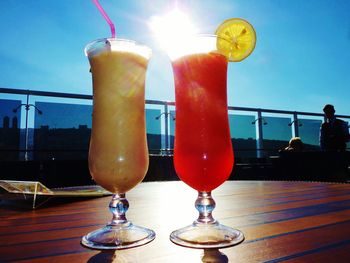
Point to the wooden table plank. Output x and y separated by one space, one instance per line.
282 221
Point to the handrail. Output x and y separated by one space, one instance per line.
67 95
159 102
45 93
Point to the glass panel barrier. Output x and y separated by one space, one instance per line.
154 132
61 130
347 123
309 133
10 119
243 135
277 131
38 125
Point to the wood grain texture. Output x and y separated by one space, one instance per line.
282 222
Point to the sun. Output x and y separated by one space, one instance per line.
172 29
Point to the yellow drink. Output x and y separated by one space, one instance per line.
118 154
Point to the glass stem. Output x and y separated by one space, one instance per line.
118 207
205 205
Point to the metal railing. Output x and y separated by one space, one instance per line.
167 116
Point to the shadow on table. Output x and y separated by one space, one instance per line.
209 256
103 256
214 256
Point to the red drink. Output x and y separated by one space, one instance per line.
203 154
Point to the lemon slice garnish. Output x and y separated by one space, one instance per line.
236 39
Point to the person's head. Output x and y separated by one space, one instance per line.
296 144
329 111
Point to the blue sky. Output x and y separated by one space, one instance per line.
301 60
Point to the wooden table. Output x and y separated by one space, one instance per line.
282 222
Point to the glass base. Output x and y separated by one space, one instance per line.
211 235
118 237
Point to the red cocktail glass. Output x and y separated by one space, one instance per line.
203 153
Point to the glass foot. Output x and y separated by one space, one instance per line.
117 237
206 232
200 235
119 233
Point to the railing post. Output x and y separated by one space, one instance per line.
166 123
27 130
295 124
259 141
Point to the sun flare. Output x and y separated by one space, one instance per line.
171 29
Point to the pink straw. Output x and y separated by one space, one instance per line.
106 17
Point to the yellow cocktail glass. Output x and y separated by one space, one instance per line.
118 154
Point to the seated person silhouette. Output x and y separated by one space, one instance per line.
334 132
295 145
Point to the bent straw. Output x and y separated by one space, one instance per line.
106 17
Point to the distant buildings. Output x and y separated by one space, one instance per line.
9 138
6 122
